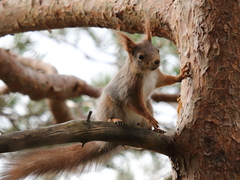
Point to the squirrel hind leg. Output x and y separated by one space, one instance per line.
116 121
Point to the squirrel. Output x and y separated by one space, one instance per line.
124 100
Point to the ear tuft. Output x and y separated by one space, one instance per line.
148 29
128 44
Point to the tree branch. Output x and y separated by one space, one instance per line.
37 65
84 131
164 97
42 81
39 85
22 16
60 111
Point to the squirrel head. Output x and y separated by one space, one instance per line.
144 56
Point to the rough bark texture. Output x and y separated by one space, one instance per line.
207 140
22 16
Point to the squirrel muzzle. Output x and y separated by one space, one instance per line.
154 65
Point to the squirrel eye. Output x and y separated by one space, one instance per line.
140 56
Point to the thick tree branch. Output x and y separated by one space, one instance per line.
22 16
84 131
39 85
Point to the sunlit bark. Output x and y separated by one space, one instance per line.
22 16
208 138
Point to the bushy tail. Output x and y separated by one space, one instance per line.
59 159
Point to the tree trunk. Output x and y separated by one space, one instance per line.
208 135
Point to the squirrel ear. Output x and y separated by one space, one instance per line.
148 29
128 44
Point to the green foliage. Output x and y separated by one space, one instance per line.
101 79
22 43
36 108
22 113
146 164
9 101
80 106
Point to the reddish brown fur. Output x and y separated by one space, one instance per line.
59 159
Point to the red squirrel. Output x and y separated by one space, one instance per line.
124 100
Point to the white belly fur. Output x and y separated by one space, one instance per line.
133 119
149 84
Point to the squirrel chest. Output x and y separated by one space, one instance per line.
149 83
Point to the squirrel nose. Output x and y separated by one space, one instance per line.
157 62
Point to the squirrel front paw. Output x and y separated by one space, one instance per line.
116 121
185 72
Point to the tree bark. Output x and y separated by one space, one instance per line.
22 16
85 131
207 139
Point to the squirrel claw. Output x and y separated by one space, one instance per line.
116 121
159 130
186 70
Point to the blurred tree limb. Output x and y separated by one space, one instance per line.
39 85
40 80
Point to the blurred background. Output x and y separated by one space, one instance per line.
93 55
